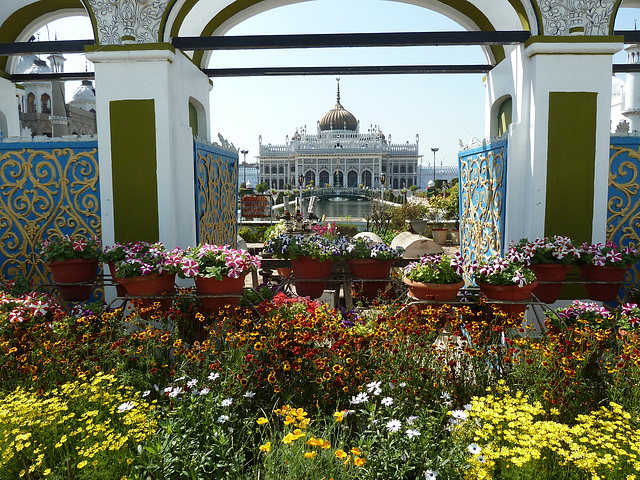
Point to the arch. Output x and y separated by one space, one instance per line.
31 103
25 21
338 178
281 184
366 178
352 179
324 178
281 170
395 183
410 169
403 169
4 126
187 17
274 170
198 119
45 103
395 169
501 115
310 178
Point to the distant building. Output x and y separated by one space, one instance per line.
338 155
43 108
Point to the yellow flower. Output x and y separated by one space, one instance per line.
82 464
356 451
289 438
315 442
310 454
266 447
359 461
262 421
341 454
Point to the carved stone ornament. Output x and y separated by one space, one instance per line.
623 127
566 17
120 21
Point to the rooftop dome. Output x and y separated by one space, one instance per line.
85 92
338 118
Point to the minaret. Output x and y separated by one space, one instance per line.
632 90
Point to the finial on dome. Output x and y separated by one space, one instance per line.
338 80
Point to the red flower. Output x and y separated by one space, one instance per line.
79 245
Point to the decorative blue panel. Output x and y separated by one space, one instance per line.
483 185
623 206
216 179
47 188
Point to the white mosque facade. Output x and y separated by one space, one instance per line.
338 154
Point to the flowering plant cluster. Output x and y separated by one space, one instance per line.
365 248
300 245
628 317
17 310
580 314
64 247
497 270
608 255
213 261
440 269
554 249
143 258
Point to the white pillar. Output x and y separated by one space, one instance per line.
155 85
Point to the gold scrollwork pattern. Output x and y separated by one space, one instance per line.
623 206
482 192
45 192
217 197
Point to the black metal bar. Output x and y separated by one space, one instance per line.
630 36
49 77
58 46
333 40
346 70
626 67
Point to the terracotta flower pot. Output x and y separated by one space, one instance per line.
440 235
549 272
153 285
284 272
212 286
599 291
509 293
441 292
74 271
120 290
307 268
370 269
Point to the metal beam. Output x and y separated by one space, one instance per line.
49 77
626 67
334 40
630 36
346 70
58 46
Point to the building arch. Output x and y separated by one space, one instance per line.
323 178
45 103
352 179
367 178
31 103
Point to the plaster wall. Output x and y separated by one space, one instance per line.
9 98
170 79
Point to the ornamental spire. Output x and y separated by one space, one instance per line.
338 80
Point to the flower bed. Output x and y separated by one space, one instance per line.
294 389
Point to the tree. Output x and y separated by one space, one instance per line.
262 187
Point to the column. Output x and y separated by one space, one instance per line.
145 141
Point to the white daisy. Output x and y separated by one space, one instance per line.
394 425
125 407
223 418
412 433
227 402
430 475
213 376
387 401
474 449
249 394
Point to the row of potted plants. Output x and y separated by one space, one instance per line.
147 269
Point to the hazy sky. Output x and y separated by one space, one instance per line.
439 108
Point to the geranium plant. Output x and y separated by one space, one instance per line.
64 247
556 249
213 261
365 248
580 314
508 270
143 258
440 268
608 255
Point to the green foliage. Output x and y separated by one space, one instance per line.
262 187
346 229
408 211
254 234
63 247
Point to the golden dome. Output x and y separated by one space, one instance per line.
338 118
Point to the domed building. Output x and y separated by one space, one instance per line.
43 109
338 155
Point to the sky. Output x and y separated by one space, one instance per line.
441 108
